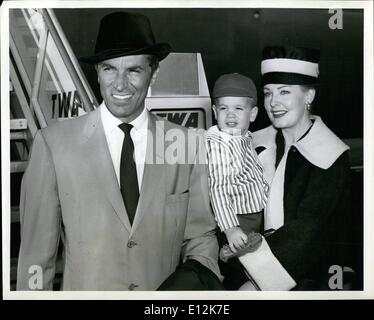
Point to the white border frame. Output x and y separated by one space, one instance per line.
368 291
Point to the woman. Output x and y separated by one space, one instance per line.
308 168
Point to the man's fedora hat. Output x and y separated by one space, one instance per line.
125 34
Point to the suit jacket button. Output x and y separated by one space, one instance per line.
132 286
131 244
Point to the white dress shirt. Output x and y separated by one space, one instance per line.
114 137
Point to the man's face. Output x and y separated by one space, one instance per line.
124 83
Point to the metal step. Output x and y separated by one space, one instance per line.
14 211
18 166
18 124
13 269
18 135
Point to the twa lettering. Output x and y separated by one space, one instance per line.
67 106
186 119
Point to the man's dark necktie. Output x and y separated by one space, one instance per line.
127 172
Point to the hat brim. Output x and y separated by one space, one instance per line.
160 50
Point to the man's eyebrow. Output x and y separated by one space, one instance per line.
282 86
106 64
136 67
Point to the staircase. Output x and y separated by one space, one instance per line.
46 85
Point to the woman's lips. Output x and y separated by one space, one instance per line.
278 114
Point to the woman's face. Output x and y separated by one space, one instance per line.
286 104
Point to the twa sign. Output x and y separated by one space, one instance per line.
66 105
191 118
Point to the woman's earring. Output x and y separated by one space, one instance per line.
307 104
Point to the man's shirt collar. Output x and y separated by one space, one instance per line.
111 122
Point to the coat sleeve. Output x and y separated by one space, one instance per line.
40 219
301 244
200 241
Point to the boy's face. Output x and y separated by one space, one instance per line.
234 114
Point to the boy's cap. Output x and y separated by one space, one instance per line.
234 85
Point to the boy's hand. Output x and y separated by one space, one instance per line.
236 237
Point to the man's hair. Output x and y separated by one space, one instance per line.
153 62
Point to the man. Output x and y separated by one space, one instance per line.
126 213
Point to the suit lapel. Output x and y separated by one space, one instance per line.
102 165
152 184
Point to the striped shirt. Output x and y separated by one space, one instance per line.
236 182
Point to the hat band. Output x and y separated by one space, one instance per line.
287 78
290 66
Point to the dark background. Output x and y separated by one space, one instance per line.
231 40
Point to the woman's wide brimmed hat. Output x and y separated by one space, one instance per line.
289 65
125 34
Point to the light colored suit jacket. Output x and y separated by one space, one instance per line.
70 189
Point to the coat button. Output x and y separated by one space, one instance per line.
131 244
132 286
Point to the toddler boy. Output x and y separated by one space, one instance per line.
237 188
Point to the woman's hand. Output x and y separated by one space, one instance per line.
236 237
